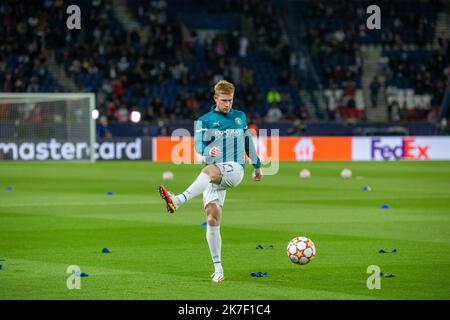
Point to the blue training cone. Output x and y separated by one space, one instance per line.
258 274
81 274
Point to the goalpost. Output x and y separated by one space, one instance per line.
47 126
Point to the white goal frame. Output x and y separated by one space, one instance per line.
24 97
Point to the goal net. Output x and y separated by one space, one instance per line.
47 126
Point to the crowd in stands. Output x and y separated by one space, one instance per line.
167 66
22 58
415 81
159 69
403 22
329 31
166 72
255 65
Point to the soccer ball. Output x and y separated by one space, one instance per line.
167 176
301 250
305 174
346 173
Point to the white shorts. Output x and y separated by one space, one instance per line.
232 175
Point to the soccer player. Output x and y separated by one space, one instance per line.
222 136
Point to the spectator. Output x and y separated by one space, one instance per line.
102 128
34 85
445 105
301 62
374 90
163 130
150 114
247 77
35 115
122 114
274 114
243 46
123 64
235 71
297 129
192 105
273 96
157 107
118 89
249 97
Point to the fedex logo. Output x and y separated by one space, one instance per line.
406 148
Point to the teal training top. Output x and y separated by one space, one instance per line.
227 131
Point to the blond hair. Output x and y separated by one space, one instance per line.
223 87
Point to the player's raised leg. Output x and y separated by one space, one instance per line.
210 173
213 216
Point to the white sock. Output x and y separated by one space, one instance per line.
215 246
195 189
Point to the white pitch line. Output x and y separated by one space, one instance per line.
65 204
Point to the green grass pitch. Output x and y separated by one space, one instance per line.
58 214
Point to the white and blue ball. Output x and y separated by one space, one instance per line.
167 176
304 174
346 173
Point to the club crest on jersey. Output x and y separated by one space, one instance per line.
238 121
